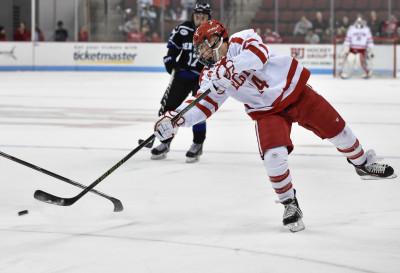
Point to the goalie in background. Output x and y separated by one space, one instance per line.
358 42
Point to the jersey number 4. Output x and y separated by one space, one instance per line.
239 79
260 84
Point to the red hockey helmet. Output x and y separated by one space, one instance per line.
204 38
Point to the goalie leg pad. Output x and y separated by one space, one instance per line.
349 63
366 65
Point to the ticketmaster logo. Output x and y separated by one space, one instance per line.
103 57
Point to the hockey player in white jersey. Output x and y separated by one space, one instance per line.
358 43
275 94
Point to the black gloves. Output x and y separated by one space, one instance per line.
169 63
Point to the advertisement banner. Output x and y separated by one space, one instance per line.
103 56
18 54
318 58
51 56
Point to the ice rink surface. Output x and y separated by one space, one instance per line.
216 216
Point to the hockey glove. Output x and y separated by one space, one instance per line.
169 63
221 75
164 128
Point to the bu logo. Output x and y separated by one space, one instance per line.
297 52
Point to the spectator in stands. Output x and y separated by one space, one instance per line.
258 31
320 26
374 24
158 4
155 38
311 37
188 6
148 13
145 2
133 25
83 35
3 36
60 34
342 26
22 34
170 13
135 37
131 29
271 37
389 27
39 36
146 32
302 26
181 13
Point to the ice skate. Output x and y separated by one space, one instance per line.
292 216
160 152
371 169
194 153
344 76
367 75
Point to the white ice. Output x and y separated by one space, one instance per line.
215 216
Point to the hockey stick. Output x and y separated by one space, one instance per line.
163 103
148 145
52 199
166 94
117 203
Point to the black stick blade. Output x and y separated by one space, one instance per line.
55 200
51 199
148 145
117 205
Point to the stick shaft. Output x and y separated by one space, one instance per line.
69 201
52 174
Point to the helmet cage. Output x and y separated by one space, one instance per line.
203 47
209 35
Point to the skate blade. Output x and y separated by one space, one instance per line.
370 177
192 159
158 157
296 226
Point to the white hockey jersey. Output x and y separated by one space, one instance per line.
264 82
358 38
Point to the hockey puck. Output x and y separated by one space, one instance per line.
22 212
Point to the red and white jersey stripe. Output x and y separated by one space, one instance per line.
359 38
263 81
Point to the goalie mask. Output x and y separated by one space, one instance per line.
360 23
207 41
